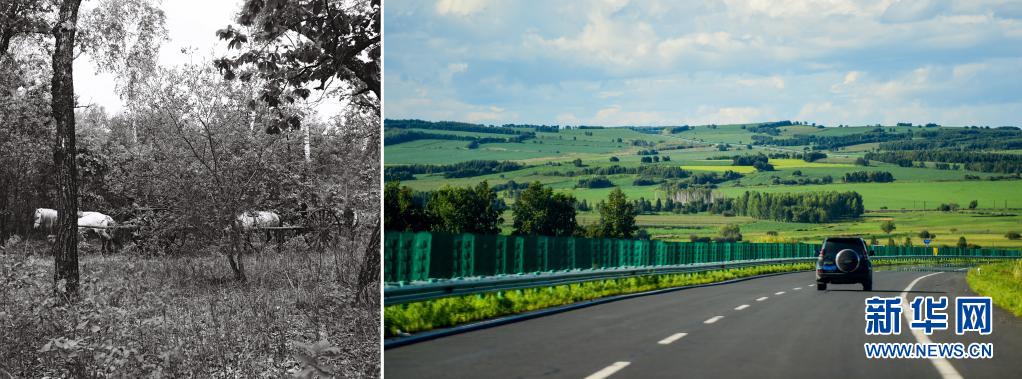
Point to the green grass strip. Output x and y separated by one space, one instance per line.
1001 281
449 311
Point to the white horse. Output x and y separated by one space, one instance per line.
101 225
253 220
45 219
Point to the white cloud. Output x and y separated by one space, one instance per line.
772 82
730 115
718 61
460 8
913 10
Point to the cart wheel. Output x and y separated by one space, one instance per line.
320 227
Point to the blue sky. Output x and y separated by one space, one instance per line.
697 62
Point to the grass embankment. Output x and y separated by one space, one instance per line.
185 316
1001 281
450 311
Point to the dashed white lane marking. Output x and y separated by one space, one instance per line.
609 370
762 298
946 370
713 319
672 338
797 288
779 293
740 307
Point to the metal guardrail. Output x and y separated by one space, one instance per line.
402 294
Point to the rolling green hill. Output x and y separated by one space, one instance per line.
560 159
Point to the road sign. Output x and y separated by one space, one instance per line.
927 241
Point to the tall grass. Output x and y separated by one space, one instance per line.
1001 281
187 317
450 311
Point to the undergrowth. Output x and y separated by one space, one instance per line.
187 317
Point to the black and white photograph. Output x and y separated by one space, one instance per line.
190 188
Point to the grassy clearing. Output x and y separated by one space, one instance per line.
911 195
716 168
1001 281
450 311
985 228
186 316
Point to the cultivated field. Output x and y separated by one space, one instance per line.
910 201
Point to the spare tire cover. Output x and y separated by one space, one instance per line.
847 260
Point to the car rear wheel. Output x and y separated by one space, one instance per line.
867 285
820 286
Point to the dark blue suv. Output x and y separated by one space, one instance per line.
844 260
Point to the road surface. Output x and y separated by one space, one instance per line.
774 327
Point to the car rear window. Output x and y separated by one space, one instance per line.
832 247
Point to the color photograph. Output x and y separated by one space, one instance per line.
722 189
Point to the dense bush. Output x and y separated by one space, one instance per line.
868 177
594 182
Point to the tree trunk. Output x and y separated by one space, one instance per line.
369 273
65 250
307 144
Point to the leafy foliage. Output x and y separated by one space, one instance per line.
541 211
465 210
617 216
289 45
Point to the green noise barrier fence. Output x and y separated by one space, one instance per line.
411 256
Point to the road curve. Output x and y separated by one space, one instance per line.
778 326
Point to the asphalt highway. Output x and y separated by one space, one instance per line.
772 327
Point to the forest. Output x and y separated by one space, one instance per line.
812 207
970 160
188 286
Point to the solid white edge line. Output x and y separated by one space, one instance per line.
712 319
779 293
762 298
672 338
609 370
740 307
944 368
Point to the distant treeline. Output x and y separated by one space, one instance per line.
831 142
868 177
647 129
537 128
511 185
395 137
813 207
961 138
975 161
447 125
656 171
801 181
700 179
769 128
455 170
